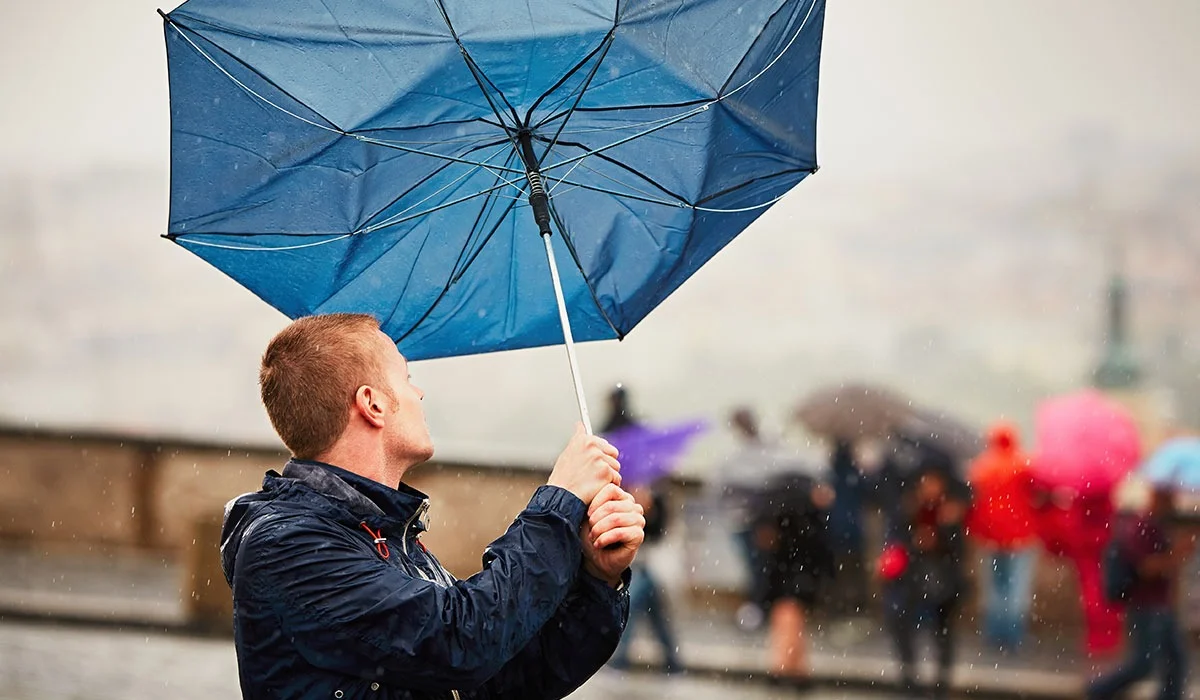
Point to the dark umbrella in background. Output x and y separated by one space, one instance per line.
414 160
853 411
938 430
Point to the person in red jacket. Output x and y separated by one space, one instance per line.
1002 521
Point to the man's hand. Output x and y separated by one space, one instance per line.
612 534
587 465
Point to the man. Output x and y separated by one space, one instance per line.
336 597
1154 634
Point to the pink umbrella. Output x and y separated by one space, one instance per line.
1086 443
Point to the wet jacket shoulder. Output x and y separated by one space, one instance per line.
335 596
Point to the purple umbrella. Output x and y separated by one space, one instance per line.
649 452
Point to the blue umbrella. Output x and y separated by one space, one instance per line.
1176 463
376 157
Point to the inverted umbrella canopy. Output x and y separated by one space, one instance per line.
1086 443
382 157
650 452
1176 463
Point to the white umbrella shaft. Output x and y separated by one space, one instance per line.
568 339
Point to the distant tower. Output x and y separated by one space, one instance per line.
1121 377
1118 369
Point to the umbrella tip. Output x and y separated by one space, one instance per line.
160 12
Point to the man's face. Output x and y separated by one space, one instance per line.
407 434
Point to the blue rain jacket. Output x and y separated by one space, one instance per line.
324 610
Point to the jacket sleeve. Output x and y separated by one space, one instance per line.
347 611
569 649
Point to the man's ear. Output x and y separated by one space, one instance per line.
369 404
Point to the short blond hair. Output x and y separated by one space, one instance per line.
310 373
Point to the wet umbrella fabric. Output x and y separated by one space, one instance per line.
382 157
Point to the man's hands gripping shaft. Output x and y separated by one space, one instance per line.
614 530
588 468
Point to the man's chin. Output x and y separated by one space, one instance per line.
424 453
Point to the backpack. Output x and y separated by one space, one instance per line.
1120 575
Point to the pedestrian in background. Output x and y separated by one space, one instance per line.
1155 559
1001 520
791 530
646 597
928 582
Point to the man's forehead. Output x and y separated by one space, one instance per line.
390 347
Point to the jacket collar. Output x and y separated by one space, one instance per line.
362 498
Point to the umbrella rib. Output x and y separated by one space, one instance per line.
803 23
622 195
424 242
608 42
752 180
623 108
703 106
445 205
468 173
446 290
478 74
633 171
604 43
179 238
178 27
478 218
410 217
562 229
333 128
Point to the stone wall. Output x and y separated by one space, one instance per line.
63 490
92 489
166 495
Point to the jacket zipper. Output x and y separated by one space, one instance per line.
404 546
415 516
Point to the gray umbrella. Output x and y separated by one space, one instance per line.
851 411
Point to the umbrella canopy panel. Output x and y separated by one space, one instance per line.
1086 442
345 156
